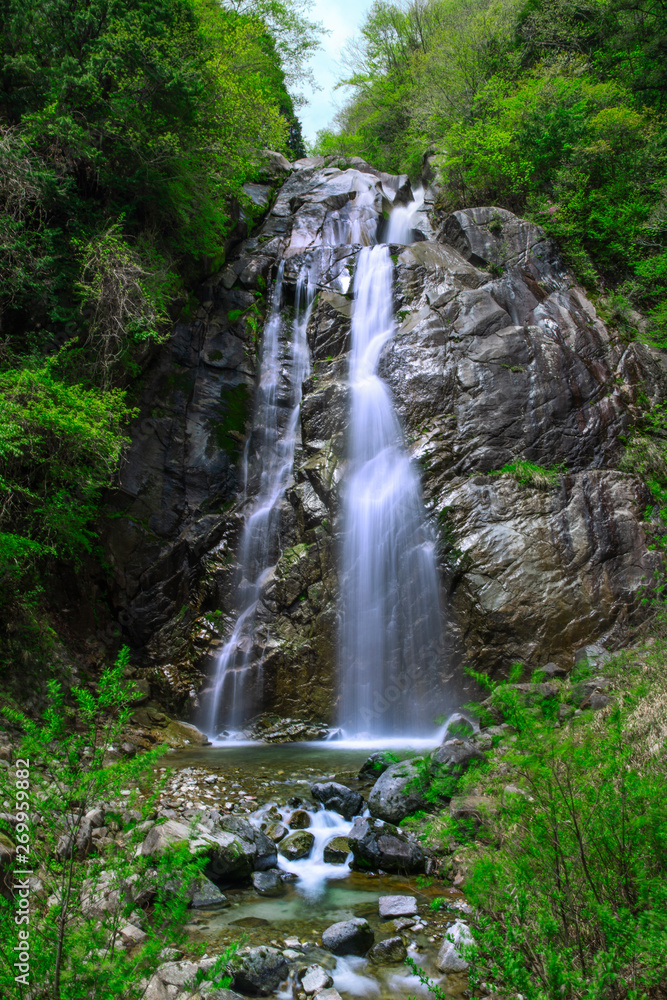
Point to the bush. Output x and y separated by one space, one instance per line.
64 768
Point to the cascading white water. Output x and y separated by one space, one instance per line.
391 629
236 686
402 219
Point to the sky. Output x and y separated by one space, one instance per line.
343 18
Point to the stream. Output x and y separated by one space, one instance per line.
268 784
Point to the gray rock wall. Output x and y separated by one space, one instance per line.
497 357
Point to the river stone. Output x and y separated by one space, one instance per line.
297 845
336 851
338 798
258 972
209 991
229 856
449 957
265 849
397 906
204 895
299 820
314 979
388 952
330 994
397 793
348 937
269 883
381 846
276 832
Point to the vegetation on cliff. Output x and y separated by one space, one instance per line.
127 132
554 110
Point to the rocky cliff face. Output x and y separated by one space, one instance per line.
498 356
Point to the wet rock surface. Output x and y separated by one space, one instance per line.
348 937
339 798
497 357
375 844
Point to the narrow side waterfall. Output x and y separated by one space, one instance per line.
391 629
236 687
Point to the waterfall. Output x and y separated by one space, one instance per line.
403 218
236 688
390 610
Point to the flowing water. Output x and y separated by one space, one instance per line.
390 640
267 784
390 608
236 687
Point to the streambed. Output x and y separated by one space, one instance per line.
260 783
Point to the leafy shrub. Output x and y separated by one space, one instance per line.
528 474
74 954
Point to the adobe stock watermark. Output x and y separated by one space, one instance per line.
22 872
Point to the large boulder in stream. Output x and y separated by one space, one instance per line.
398 792
381 846
297 845
348 937
339 798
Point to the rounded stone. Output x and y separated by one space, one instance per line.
391 951
348 937
297 845
336 852
299 820
268 883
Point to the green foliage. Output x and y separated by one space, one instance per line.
59 446
646 453
554 110
127 132
63 769
528 474
573 902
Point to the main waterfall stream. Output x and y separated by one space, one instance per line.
391 629
390 634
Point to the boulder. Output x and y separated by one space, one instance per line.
299 820
348 937
204 895
338 798
314 979
229 856
450 957
163 836
455 757
269 883
381 846
397 906
265 854
297 845
398 792
592 655
276 832
336 851
258 972
130 936
372 768
390 951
